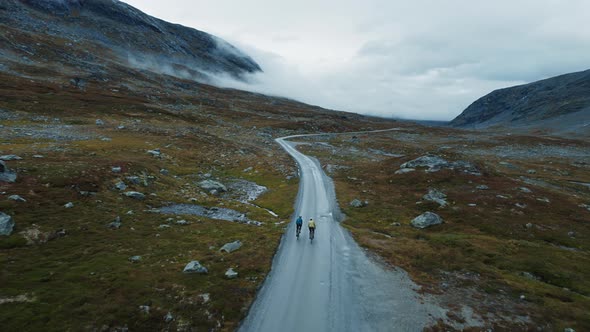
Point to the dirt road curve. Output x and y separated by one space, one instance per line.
331 284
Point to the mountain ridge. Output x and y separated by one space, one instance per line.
132 35
560 103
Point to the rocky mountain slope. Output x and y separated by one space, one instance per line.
130 36
559 103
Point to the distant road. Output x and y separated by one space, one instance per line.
331 284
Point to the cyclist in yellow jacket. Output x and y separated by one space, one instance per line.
311 225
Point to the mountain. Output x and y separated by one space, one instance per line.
560 104
127 34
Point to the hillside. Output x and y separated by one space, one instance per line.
560 104
90 35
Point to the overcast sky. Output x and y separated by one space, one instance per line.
412 59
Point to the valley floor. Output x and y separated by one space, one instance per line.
512 252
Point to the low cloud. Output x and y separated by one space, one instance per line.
422 59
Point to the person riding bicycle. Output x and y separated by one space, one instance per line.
299 223
311 225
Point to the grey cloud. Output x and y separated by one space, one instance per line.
422 59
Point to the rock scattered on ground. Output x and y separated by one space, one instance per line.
195 267
164 171
18 299
6 224
404 170
231 246
16 198
357 203
245 191
135 259
116 169
120 185
6 175
525 190
436 163
211 185
213 213
169 317
482 187
135 195
155 152
145 309
437 196
231 274
426 219
69 205
116 224
99 122
34 235
10 157
182 222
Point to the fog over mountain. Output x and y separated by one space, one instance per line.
425 59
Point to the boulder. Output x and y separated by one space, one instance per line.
155 152
436 196
134 195
357 203
120 185
426 219
116 224
10 157
195 267
164 171
6 175
134 179
482 187
231 246
6 224
16 198
210 185
69 205
525 190
135 259
433 162
404 170
231 274
168 318
99 122
116 169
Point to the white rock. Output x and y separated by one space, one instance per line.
16 198
231 274
195 267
